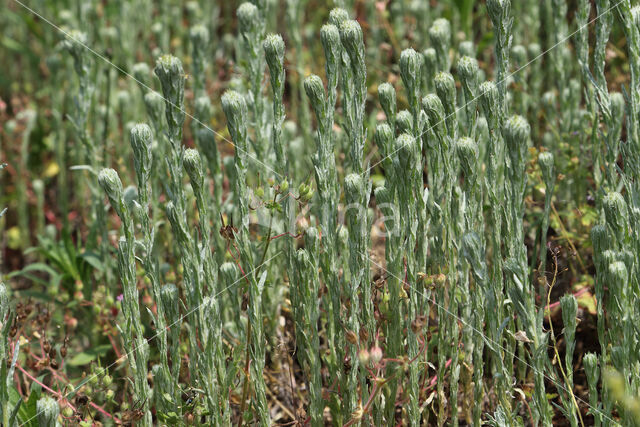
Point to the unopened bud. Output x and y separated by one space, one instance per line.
375 354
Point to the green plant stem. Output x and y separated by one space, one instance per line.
555 347
245 384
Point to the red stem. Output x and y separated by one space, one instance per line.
577 294
63 398
237 262
55 393
103 412
115 347
434 379
288 233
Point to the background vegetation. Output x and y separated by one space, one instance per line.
292 212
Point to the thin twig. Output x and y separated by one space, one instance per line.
553 340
